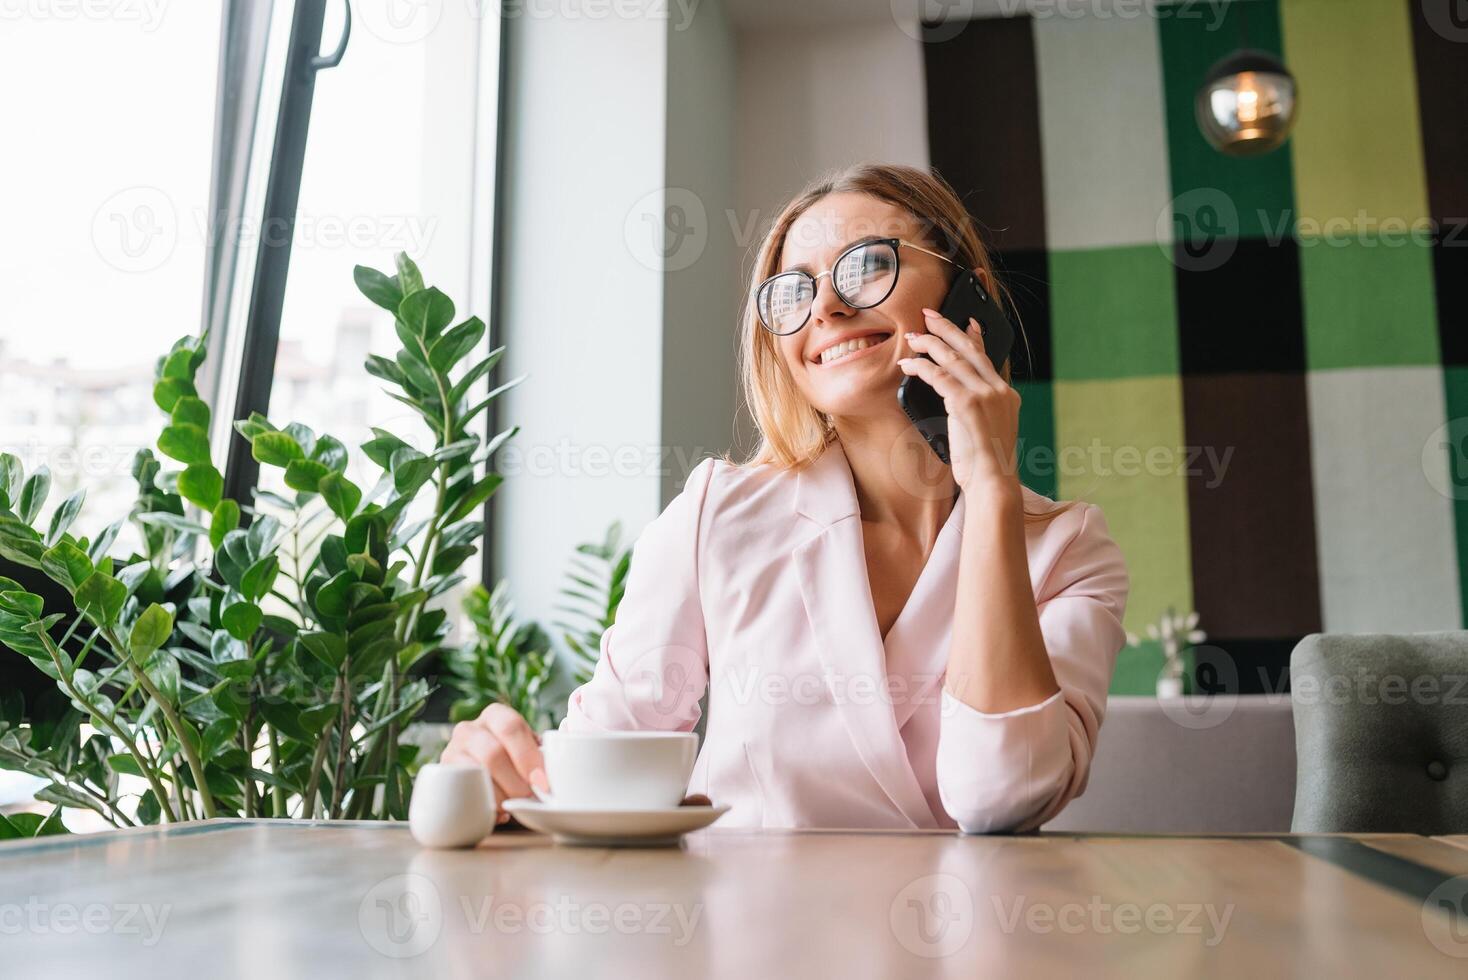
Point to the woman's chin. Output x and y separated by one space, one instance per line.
866 397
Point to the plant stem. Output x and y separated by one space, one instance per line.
277 794
343 739
185 808
246 781
113 726
206 799
318 761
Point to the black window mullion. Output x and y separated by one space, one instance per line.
495 327
272 261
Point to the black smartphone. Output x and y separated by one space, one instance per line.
924 406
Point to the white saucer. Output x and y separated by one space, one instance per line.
614 828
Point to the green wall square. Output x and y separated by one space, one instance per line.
1368 302
1121 445
1113 313
1238 197
1357 144
1036 448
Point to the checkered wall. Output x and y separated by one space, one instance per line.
1248 363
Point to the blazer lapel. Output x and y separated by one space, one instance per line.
919 642
831 568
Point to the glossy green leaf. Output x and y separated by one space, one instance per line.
190 410
305 474
425 313
259 577
151 631
476 496
381 448
20 542
410 470
225 518
242 620
276 449
478 371
67 564
329 648
379 287
330 452
101 597
449 349
65 514
341 495
12 475
201 485
189 444
410 280
168 391
33 494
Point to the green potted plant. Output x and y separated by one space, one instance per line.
259 659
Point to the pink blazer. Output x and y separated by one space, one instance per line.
752 586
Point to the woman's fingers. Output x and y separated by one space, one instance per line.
484 749
935 375
503 743
519 740
969 345
945 357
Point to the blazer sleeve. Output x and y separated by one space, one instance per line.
1015 770
653 667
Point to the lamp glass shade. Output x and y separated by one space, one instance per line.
1246 105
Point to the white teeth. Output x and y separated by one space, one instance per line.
837 351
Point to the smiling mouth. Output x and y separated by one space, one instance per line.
849 348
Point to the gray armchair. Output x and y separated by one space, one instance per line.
1381 733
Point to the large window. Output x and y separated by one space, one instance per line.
389 167
102 263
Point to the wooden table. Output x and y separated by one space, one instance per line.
296 899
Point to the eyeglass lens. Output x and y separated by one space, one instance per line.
862 278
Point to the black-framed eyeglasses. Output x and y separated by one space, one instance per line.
863 276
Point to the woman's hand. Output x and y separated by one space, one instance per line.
983 410
505 744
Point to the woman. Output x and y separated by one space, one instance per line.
885 640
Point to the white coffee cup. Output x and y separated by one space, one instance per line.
453 805
617 770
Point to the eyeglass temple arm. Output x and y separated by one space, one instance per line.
928 251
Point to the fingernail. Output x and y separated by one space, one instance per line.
911 334
538 780
928 312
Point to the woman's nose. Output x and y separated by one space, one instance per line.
828 303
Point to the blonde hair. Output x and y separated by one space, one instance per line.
793 433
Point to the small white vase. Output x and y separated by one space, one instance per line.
453 805
1169 687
